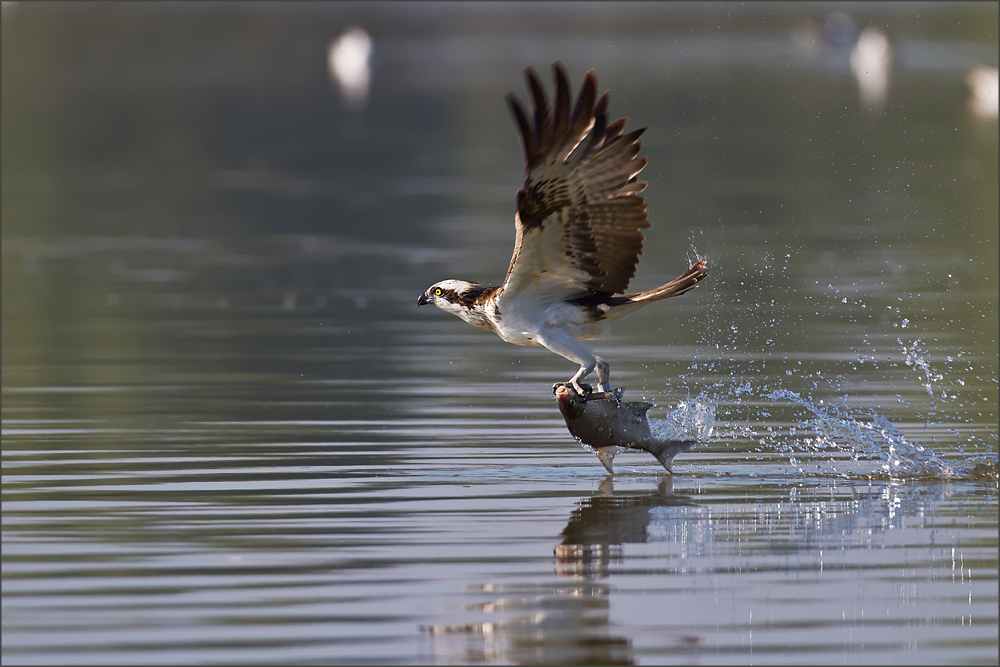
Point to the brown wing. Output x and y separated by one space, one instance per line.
579 213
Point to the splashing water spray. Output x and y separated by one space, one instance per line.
862 434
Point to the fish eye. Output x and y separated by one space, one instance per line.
437 291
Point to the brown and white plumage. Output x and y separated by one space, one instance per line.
578 223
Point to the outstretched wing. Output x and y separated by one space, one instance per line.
579 213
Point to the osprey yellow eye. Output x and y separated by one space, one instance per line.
438 292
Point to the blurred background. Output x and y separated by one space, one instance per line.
202 155
216 220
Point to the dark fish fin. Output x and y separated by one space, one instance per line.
607 456
638 410
672 448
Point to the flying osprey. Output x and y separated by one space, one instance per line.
578 238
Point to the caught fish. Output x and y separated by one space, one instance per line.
606 423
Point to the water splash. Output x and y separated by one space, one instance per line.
743 371
879 439
917 357
690 420
860 433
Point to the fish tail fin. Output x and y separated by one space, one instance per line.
672 448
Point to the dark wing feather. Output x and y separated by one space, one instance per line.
579 213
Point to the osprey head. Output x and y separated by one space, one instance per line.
453 296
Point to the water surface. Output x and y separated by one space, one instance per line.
230 437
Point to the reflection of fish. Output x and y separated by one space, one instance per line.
609 425
601 524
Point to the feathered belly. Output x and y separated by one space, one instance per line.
589 331
521 326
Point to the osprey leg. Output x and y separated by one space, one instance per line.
560 342
603 374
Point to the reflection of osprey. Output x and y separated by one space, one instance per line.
578 222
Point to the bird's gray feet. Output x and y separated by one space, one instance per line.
586 390
603 375
583 388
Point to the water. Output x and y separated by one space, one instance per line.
229 435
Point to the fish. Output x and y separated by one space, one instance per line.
609 425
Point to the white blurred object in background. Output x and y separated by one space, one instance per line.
985 99
348 62
871 60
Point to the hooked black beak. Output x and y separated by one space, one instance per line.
423 300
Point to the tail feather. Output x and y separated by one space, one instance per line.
683 283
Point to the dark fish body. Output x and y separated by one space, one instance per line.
608 424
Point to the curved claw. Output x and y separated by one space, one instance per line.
581 389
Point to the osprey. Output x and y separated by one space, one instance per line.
577 220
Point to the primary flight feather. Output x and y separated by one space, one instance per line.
578 222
